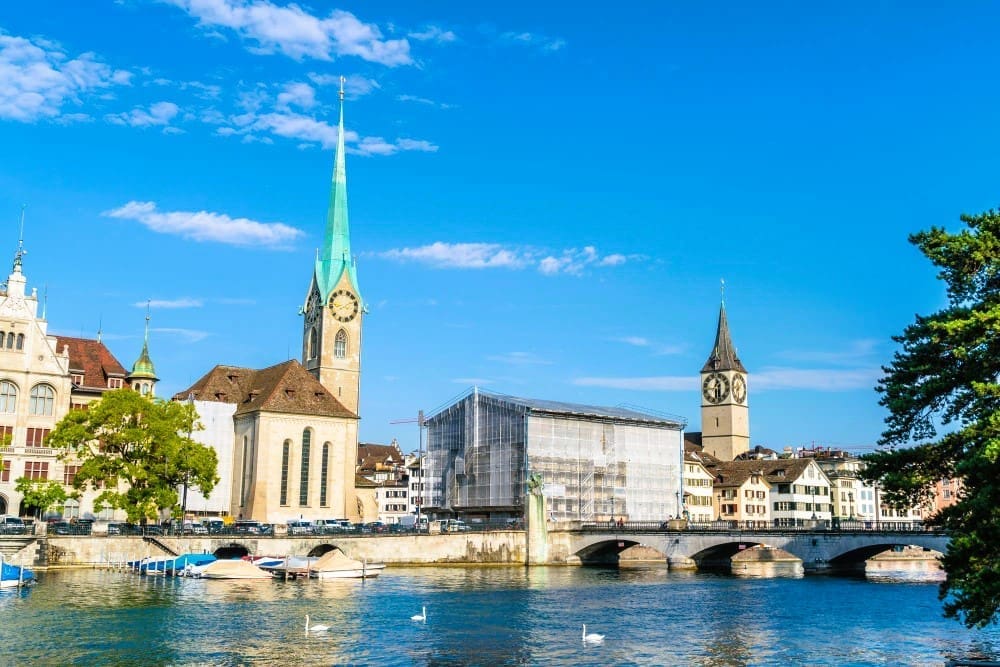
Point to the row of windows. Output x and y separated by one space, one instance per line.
40 470
42 398
34 437
304 466
12 342
801 507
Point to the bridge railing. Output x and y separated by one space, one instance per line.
834 525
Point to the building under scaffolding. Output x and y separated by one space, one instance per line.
596 463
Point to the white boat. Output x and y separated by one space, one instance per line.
336 564
233 569
14 576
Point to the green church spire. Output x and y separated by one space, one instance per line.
143 366
335 256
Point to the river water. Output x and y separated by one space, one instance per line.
482 616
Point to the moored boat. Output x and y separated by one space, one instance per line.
233 569
336 564
12 576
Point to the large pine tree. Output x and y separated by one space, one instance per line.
942 391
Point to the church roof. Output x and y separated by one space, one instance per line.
90 358
143 366
723 357
781 471
286 387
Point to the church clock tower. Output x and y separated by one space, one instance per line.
333 309
725 418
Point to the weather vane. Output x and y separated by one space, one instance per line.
342 80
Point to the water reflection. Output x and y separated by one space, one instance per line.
502 616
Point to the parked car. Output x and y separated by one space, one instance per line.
454 526
71 527
327 526
253 528
215 526
300 527
12 525
374 527
119 529
194 528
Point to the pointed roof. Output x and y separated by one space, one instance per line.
286 387
723 357
335 256
143 366
91 359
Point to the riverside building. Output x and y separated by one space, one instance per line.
596 463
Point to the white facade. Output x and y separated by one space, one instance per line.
217 420
805 498
698 504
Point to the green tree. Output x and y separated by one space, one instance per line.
43 494
136 451
942 391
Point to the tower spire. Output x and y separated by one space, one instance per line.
143 375
335 255
21 252
723 356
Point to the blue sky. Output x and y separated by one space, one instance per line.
542 202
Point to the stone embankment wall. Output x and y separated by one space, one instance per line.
507 547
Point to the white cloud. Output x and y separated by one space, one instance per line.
207 226
663 383
159 114
433 33
520 359
354 86
189 335
857 351
441 255
460 255
472 382
770 379
639 341
37 79
184 302
296 33
300 94
547 44
423 100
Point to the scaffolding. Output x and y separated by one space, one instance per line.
596 463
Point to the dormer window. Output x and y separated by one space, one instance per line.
289 393
77 379
115 383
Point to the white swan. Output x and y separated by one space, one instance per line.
315 628
422 616
592 638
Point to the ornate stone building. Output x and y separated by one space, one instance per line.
287 436
725 414
43 377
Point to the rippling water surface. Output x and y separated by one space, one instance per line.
482 616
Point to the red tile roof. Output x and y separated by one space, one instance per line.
92 359
286 387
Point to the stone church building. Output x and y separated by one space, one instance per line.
287 435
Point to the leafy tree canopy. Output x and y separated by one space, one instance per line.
136 451
942 391
43 494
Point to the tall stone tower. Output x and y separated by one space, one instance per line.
725 416
333 309
143 378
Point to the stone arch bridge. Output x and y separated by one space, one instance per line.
820 550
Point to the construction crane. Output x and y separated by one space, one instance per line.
419 421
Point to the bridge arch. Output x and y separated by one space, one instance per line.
604 552
717 556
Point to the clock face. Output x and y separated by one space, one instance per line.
313 308
344 305
739 388
715 388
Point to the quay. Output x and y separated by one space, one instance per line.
820 550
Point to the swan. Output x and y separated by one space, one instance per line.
422 616
592 638
315 628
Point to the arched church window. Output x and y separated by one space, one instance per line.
286 450
313 343
8 397
10 340
243 480
20 341
340 345
42 398
304 469
323 472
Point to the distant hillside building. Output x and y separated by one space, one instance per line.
596 463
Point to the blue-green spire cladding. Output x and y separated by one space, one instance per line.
335 256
